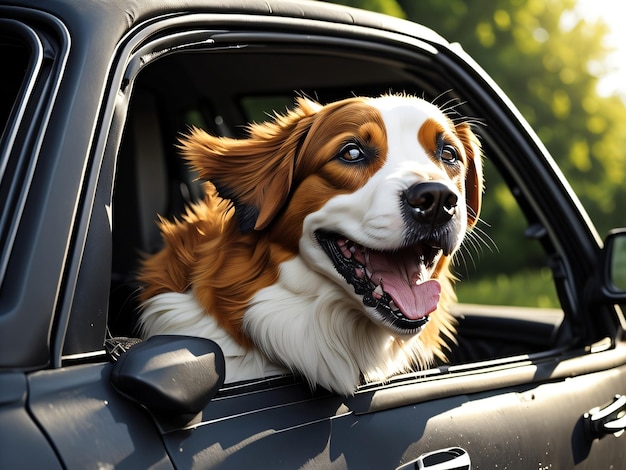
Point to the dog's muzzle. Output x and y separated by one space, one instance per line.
431 203
396 284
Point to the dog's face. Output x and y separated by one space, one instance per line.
386 238
374 194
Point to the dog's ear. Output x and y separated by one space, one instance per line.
474 184
256 172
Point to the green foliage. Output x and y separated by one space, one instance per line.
555 89
528 288
548 61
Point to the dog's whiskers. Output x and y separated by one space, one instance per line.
441 95
450 109
474 244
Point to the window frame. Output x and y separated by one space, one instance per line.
165 36
24 182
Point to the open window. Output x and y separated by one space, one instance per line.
511 292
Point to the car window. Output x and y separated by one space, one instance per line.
502 262
21 61
34 54
260 108
16 56
508 301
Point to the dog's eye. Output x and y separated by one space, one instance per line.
446 152
351 153
449 154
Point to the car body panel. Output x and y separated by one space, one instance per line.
18 430
283 425
90 424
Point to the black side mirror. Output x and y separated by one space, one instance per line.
173 377
616 257
613 268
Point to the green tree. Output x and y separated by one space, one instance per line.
555 89
548 61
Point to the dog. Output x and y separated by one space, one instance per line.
323 243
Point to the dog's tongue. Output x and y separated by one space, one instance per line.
399 274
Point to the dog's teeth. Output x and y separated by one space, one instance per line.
420 276
342 241
378 292
359 273
346 251
352 249
368 272
393 306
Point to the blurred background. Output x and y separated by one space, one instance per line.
563 64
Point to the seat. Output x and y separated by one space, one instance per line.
141 191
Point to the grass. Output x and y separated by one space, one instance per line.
522 289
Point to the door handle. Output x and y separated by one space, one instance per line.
452 458
607 419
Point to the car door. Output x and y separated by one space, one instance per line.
530 420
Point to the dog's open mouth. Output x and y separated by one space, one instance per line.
395 283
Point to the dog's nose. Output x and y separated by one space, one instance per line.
431 203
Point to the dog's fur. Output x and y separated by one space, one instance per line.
252 266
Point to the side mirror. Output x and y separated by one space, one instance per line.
173 377
613 266
616 257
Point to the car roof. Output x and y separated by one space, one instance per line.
118 16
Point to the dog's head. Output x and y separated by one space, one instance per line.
375 194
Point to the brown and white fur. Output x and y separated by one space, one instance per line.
382 189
